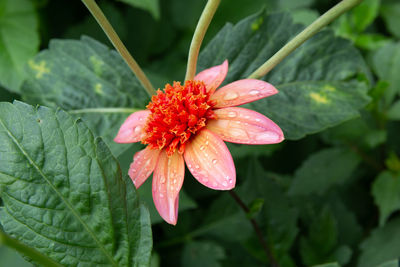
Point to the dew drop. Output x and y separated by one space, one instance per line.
174 181
134 170
214 161
258 120
138 129
271 136
254 92
202 148
230 96
205 180
162 180
206 143
224 183
214 184
161 195
197 167
232 114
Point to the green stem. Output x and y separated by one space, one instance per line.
113 37
198 37
103 110
27 251
306 34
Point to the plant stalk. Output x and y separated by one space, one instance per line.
306 34
27 251
267 249
198 36
119 46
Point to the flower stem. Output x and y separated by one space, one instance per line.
116 41
103 110
27 251
198 37
306 34
257 229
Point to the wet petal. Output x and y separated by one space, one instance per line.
143 165
210 161
132 129
245 126
167 182
242 92
213 77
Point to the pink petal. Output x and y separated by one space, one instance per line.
167 182
213 77
210 161
245 126
242 92
132 129
143 165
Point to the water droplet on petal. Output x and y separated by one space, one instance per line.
161 195
232 114
174 181
214 161
230 95
205 180
267 135
162 180
202 147
197 167
138 129
254 92
224 183
258 120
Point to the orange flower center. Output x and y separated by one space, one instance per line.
176 115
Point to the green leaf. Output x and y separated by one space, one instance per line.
150 5
19 41
332 264
386 192
204 253
364 14
394 111
390 11
277 213
88 80
63 193
392 263
316 82
323 170
321 244
386 63
382 245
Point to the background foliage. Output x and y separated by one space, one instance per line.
328 196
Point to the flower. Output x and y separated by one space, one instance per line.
189 123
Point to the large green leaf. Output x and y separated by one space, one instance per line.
382 245
86 78
386 192
19 40
63 193
316 82
150 5
323 170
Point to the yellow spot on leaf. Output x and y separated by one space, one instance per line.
98 88
40 68
256 24
97 64
329 88
319 98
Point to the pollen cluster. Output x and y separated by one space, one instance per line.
176 115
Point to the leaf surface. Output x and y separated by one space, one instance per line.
19 41
317 81
90 81
63 192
